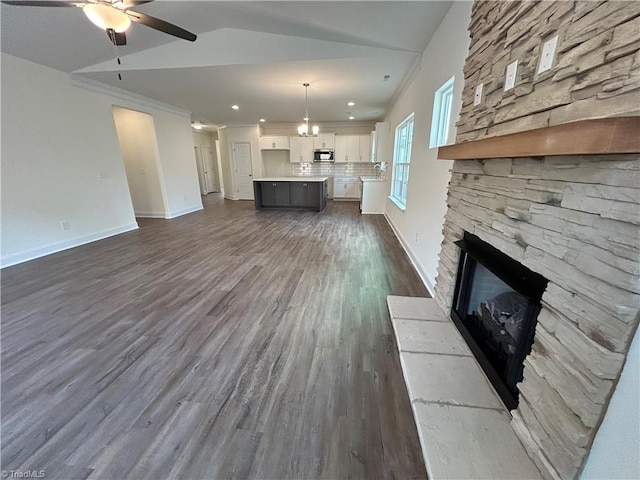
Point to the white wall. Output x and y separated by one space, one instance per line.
56 140
276 163
137 138
419 226
177 163
61 161
227 137
616 449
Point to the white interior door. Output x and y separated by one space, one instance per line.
243 170
203 188
219 166
208 169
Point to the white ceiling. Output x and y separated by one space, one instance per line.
253 54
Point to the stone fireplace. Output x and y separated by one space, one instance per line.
495 307
563 202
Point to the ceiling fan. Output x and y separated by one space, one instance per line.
113 16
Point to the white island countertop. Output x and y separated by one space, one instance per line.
291 179
372 179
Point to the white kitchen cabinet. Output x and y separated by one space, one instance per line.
300 149
379 142
353 190
347 149
274 143
365 148
324 140
352 148
346 189
340 152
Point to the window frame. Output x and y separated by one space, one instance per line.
402 161
441 117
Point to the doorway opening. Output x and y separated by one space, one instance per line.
138 144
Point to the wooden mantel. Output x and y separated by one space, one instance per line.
586 137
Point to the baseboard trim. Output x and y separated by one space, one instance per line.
184 211
149 214
34 253
427 280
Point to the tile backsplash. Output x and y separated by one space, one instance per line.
335 170
276 164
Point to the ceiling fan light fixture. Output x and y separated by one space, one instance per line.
105 17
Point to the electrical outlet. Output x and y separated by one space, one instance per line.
478 97
65 225
548 51
185 196
103 174
416 236
510 79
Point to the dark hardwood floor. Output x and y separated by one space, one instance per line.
227 343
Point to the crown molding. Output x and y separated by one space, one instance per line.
237 125
105 89
322 125
406 81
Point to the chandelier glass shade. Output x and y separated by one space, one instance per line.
107 17
303 129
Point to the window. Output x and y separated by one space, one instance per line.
441 114
401 159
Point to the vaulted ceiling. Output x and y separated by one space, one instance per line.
253 54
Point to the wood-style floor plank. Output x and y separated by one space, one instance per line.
227 343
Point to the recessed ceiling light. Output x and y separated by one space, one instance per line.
235 107
262 120
197 125
351 104
351 117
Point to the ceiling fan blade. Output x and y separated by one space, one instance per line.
118 39
161 25
43 3
133 3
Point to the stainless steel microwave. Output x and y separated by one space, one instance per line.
323 155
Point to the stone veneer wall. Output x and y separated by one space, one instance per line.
596 72
572 219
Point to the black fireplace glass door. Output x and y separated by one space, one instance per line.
495 305
496 315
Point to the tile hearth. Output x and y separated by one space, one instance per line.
464 428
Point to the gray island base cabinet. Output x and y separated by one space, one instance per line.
296 193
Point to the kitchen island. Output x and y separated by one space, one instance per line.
300 193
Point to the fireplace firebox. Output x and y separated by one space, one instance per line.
495 306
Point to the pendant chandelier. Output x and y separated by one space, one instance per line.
303 130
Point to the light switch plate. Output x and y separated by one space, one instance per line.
510 79
478 97
548 51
